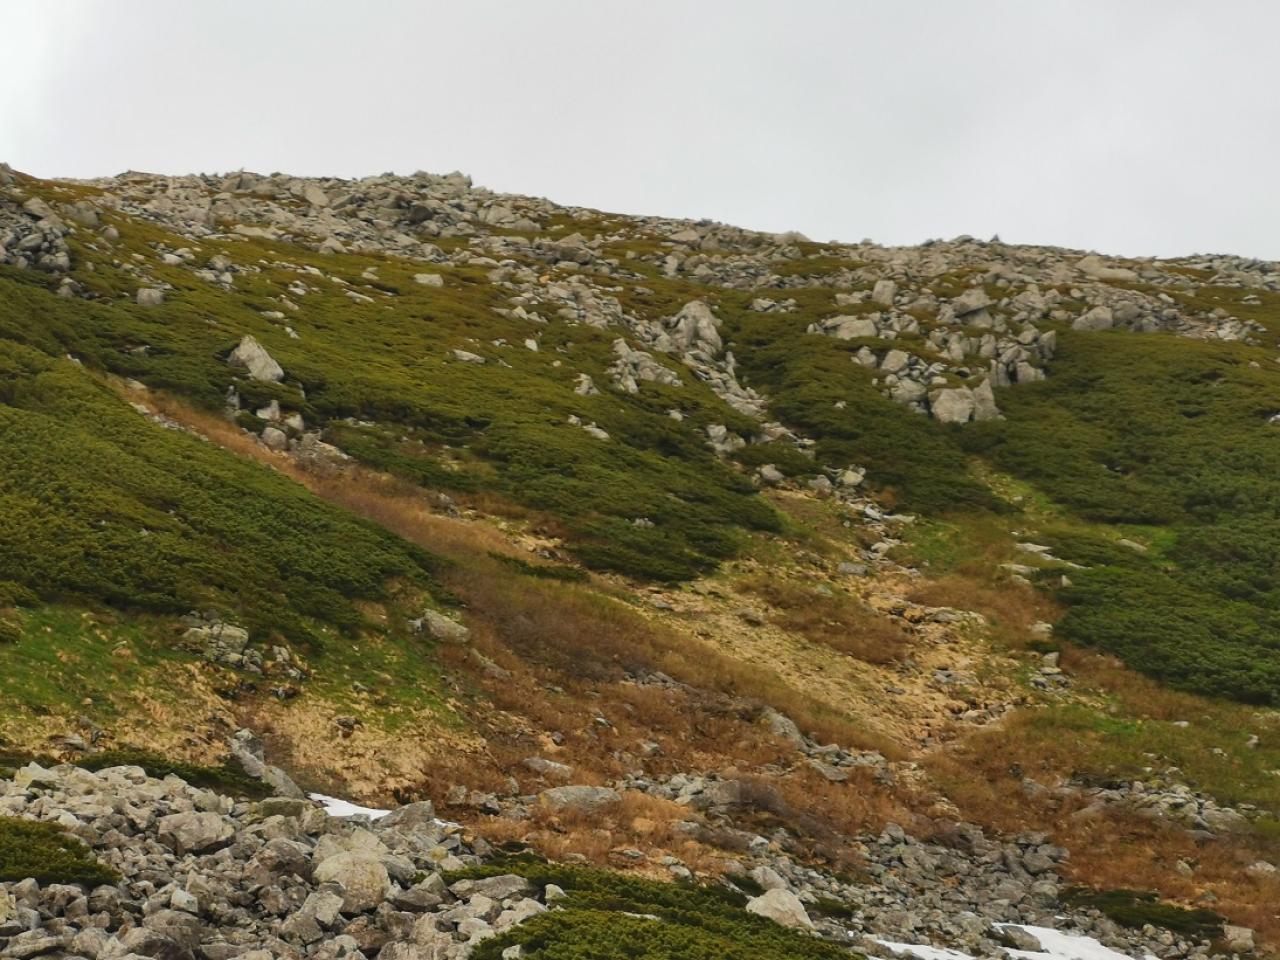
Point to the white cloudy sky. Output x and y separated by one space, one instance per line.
1125 126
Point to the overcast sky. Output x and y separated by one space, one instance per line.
1127 127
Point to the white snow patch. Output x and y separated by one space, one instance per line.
924 952
344 808
1056 945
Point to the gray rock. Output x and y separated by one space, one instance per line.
884 292
149 297
953 405
1099 318
273 438
1238 939
782 726
971 301
364 880
408 816
250 753
444 629
548 768
251 355
782 907
194 832
579 799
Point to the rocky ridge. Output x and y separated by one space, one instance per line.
946 323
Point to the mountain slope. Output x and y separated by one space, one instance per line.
837 524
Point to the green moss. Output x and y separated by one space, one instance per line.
43 852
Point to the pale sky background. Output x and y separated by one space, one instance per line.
1126 126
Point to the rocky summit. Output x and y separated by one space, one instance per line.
391 568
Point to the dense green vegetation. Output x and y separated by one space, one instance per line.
607 916
99 506
914 461
381 379
1135 909
46 854
1166 441
1160 439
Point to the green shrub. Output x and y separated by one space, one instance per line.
607 915
916 460
1131 908
99 506
226 778
543 571
1170 433
391 371
43 852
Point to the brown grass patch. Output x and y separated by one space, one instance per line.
1116 850
1011 608
639 823
836 620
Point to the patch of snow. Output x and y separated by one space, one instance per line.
924 952
1056 945
344 808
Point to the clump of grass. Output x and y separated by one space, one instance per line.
545 571
44 853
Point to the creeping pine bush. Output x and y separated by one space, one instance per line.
1136 909
607 915
915 459
225 778
45 853
1173 434
98 505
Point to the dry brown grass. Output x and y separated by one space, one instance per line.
826 814
838 621
639 823
1140 695
982 777
1010 608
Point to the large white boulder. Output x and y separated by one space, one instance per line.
781 906
251 355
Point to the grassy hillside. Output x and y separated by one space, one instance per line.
100 507
1159 439
1166 443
